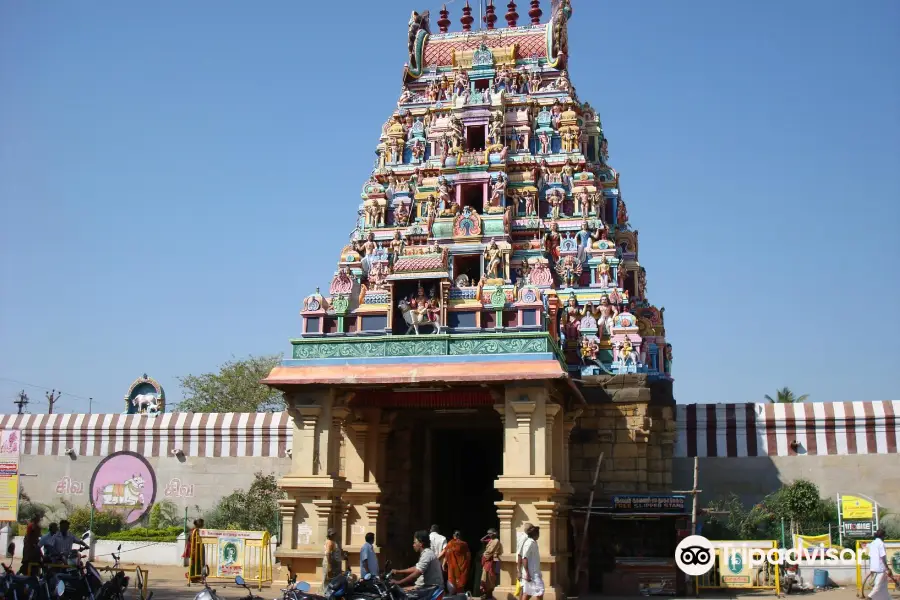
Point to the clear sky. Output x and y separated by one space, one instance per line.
176 176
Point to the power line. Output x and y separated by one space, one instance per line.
45 388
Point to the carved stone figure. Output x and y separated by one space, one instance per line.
496 127
531 203
498 189
571 321
603 274
589 348
444 190
551 242
493 258
555 197
396 247
569 270
416 22
543 142
626 353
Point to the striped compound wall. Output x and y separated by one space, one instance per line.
811 428
218 435
705 430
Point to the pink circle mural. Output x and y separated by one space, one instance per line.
124 482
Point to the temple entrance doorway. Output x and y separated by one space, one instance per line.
465 465
446 462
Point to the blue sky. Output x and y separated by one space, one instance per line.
176 176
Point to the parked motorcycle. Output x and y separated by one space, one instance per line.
28 587
115 587
207 593
297 591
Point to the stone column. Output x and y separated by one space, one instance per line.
530 490
551 436
288 509
522 444
313 486
338 415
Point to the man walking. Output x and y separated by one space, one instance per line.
532 580
878 564
438 543
368 562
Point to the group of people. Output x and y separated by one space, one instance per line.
448 563
58 541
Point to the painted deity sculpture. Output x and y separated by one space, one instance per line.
493 259
551 242
498 189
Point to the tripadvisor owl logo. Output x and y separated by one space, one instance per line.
694 555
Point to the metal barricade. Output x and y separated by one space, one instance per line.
736 572
228 554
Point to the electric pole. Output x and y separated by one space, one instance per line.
52 398
21 401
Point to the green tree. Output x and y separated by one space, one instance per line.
253 510
163 514
235 388
786 396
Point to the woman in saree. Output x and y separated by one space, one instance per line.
331 560
490 563
195 554
458 559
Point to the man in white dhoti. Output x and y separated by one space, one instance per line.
878 565
532 580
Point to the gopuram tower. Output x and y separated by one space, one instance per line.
489 295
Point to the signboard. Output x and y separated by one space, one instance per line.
858 529
231 556
854 508
672 504
124 482
736 573
9 474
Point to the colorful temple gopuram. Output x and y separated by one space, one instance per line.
489 308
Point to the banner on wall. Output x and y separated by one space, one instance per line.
9 474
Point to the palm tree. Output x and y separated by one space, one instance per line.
786 396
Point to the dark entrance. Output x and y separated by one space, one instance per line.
465 463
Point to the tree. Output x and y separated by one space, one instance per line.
786 396
235 388
253 510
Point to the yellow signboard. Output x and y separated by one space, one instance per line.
854 508
736 571
9 474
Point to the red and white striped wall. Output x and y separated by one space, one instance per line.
808 428
207 434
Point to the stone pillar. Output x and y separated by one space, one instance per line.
313 487
522 443
531 491
552 435
288 509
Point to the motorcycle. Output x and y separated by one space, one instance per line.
239 581
115 587
384 588
296 591
207 593
26 587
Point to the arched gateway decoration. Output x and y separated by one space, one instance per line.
493 217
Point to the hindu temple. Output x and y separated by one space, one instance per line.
487 334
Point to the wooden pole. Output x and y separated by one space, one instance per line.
587 520
694 493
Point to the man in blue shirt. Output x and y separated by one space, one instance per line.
368 562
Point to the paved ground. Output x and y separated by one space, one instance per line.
169 583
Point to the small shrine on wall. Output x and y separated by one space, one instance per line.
145 397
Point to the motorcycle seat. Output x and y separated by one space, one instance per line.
422 593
